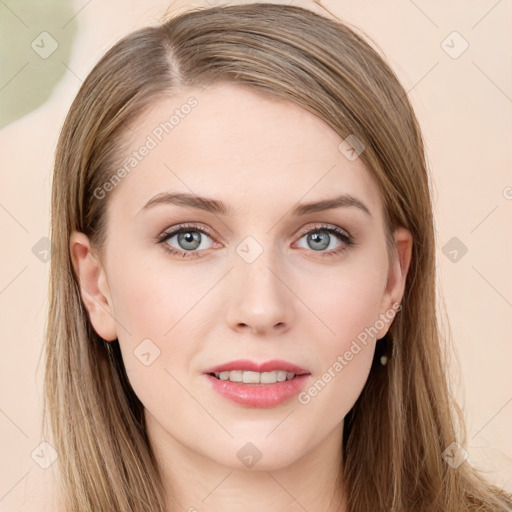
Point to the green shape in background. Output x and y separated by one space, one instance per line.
36 38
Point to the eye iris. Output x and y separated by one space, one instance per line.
320 236
188 237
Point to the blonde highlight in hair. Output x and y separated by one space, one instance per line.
405 417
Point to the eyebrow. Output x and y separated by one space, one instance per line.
218 207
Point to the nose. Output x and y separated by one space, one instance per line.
259 296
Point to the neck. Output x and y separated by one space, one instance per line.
195 483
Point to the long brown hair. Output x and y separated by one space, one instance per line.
405 417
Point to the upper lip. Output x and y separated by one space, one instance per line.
253 366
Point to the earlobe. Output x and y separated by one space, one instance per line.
93 286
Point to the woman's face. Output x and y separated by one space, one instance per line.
245 281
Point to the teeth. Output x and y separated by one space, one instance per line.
255 377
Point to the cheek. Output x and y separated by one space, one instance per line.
349 307
333 392
143 311
346 299
161 314
151 296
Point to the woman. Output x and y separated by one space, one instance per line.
242 291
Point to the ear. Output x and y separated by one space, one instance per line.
397 274
93 286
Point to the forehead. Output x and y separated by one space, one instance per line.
250 150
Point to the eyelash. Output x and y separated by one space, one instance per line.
161 239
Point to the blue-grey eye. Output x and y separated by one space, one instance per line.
320 239
188 239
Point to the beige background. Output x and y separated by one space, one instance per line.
464 105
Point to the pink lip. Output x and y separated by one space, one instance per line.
258 395
252 366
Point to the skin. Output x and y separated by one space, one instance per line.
261 156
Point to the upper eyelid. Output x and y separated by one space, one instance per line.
175 230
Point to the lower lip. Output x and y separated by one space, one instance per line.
263 396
